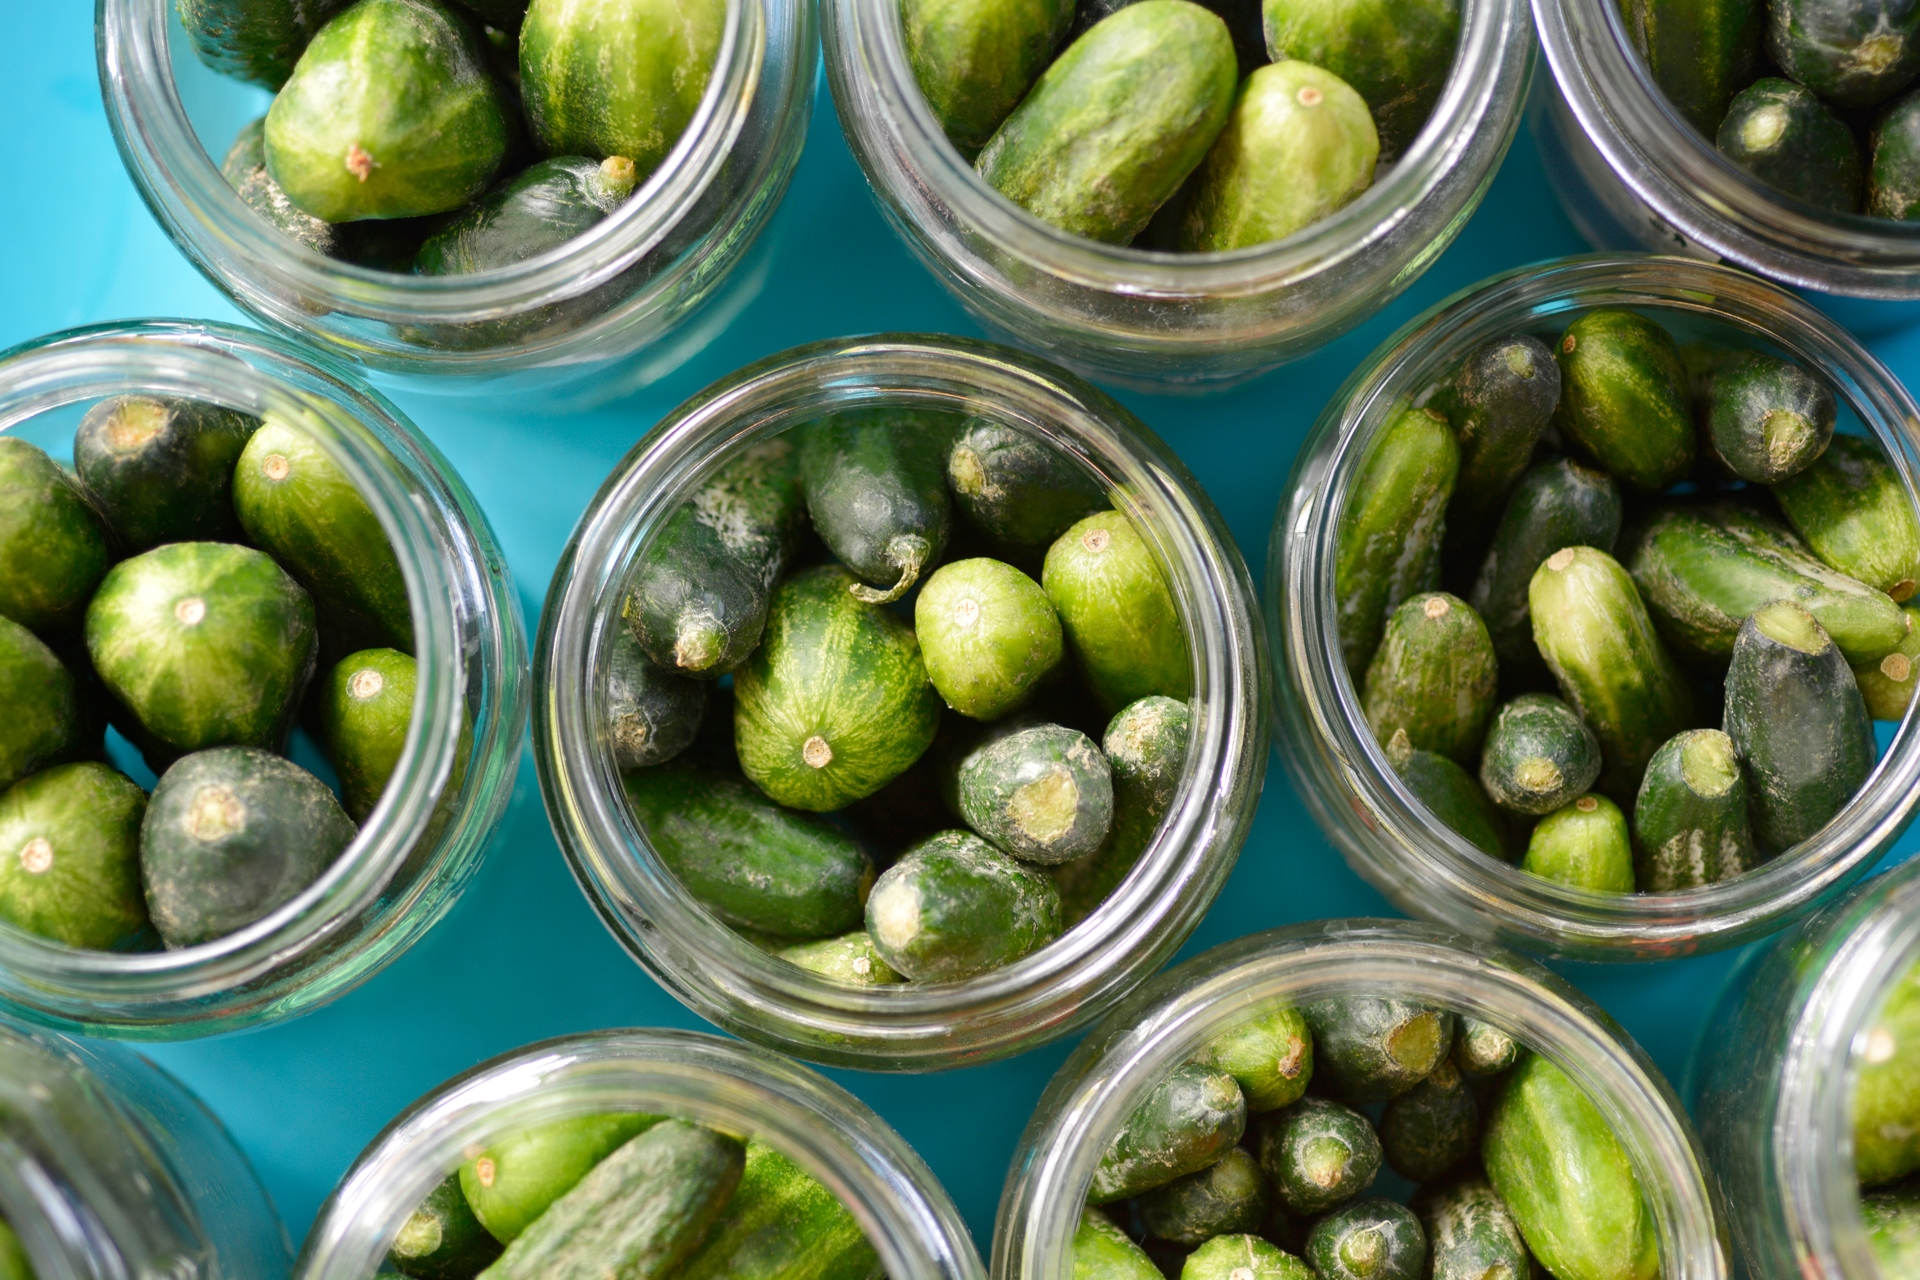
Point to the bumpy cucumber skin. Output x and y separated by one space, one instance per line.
750 862
53 546
1102 1251
1499 403
1043 794
1885 1143
511 1182
1853 54
1116 609
1556 504
975 59
1471 1235
1432 1127
1893 1228
1887 685
1434 677
162 470
1770 418
1390 532
851 959
1317 1153
1893 170
441 1239
954 906
1854 512
534 211
1228 1196
1482 1050
1585 845
1624 397
258 41
654 714
1146 748
1451 793
988 634
1793 142
1368 1049
1538 755
1112 128
1700 54
205 643
1566 1180
1371 1239
1016 488
1270 1056
70 856
39 704
1801 728
1690 822
1186 1123
1397 56
229 835
245 169
1238 1257
781 1224
877 491
1297 146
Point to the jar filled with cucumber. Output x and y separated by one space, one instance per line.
1622 609
1886 1125
1179 126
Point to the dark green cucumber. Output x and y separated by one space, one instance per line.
877 492
975 59
1892 1218
1482 1050
1146 749
1792 141
1594 632
835 703
204 643
1471 1235
1397 56
39 704
1451 793
1017 488
1432 1127
654 713
1893 168
70 856
1770 418
851 959
698 598
258 41
988 634
1186 1123
1566 1180
384 244
1624 397
1368 1049
515 1177
162 470
53 545
245 169
1228 1196
1852 54
533 212
1584 845
1854 512
1538 755
954 906
1887 685
1117 610
391 112
1797 719
14 1262
1886 1144
441 1239
1371 1239
1102 1251
1243 1257
1317 1153
231 834
1433 677
1700 53
1269 1055
1390 531
637 1215
1499 403
1690 819
781 1224
1117 122
1556 504
1044 794
747 860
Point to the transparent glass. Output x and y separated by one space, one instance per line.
1167 1020
394 881
590 309
737 1088
110 1168
909 1026
1342 774
1774 1075
1168 321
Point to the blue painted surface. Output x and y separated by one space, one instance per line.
522 957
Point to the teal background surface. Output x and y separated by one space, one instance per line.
522 957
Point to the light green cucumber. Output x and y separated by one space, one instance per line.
1556 504
1228 1196
1397 56
987 634
851 959
954 906
1243 1257
1102 1251
1690 819
516 1176
365 709
1433 677
14 1262
975 59
1116 609
39 704
1893 1228
1886 1141
1186 1123
1269 1055
1855 514
54 548
1585 846
1624 397
70 856
781 1224
1888 685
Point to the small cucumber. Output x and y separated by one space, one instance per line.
654 713
1556 504
1893 169
1371 1239
954 906
1186 1123
1044 794
1016 488
53 546
1700 53
1146 749
851 959
1797 719
1117 610
750 862
1499 403
1317 1153
1624 397
1228 1196
1270 1056
1887 685
1853 53
1102 1251
441 1239
1368 1049
1538 755
245 169
162 470
39 704
1854 512
533 212
231 834
1433 677
1690 820
1886 1142
1396 55
835 703
1584 845
877 491
1770 418
366 708
781 1224
1450 792
1471 1235
1432 1127
1792 141
1893 1228
258 41
70 856
1482 1050
1243 1257
513 1180
987 633
975 59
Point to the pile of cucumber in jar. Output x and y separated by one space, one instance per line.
1672 605
1886 1128
444 139
1168 125
1252 1160
644 1197
183 585
1041 622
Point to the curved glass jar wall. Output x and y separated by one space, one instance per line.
735 1088
109 1167
1342 774
398 877
908 1026
625 286
1168 1019
1163 320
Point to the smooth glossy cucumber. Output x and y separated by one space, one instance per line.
70 856
1269 1055
954 906
1700 52
975 59
1482 1050
1370 1239
1146 749
1368 1048
533 212
988 634
1555 505
1397 56
1499 403
1538 755
877 492
441 1239
1792 141
1888 684
54 548
161 470
1116 609
1016 488
1770 418
1044 793
781 1224
1893 167
1855 514
1431 1128
258 41
654 713
1690 820
1102 1251
1851 52
850 958
1186 1123
516 1176
1585 845
39 704
1243 1257
1228 1196
1471 1235
1624 397
1450 792
366 709
1318 1153
1433 677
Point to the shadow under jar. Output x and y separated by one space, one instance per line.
1168 1021
913 1025
1169 321
420 844
620 304
1343 773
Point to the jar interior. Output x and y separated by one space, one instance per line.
1871 1198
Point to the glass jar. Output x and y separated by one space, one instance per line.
1168 1019
718 973
1168 321
733 1087
1342 774
109 1167
580 312
397 878
1774 1076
